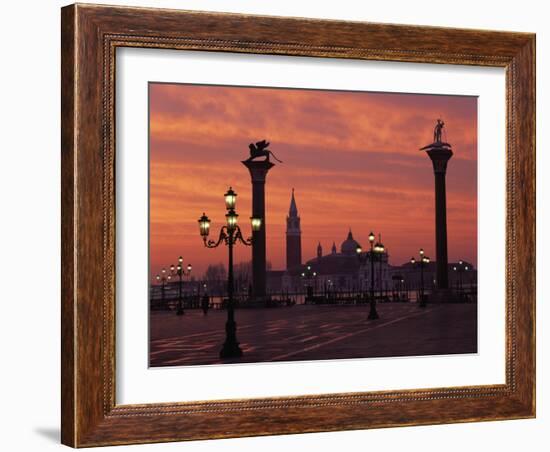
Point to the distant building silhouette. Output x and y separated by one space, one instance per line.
340 271
462 273
293 236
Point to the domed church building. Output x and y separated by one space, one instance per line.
336 271
342 270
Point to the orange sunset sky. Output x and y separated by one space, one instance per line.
352 158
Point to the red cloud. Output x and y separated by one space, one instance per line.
352 157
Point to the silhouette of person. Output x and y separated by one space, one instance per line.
205 304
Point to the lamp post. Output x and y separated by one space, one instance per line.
460 269
379 252
309 275
373 314
422 262
181 273
162 279
230 235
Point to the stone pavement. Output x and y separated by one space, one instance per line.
314 332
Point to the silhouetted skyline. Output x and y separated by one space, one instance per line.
352 158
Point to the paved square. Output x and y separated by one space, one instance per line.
305 332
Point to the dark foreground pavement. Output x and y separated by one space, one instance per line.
314 332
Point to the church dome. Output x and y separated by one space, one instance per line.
349 246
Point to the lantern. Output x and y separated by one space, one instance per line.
256 223
231 218
230 199
204 225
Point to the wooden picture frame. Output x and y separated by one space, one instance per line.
90 36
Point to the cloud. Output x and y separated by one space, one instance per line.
352 157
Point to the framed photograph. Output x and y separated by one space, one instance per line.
277 225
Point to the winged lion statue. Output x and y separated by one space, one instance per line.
260 150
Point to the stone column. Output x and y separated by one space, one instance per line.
258 173
440 153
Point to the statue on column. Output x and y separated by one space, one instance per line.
440 153
438 131
438 135
260 150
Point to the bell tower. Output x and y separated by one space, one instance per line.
293 236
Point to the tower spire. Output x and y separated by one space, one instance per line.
293 210
293 236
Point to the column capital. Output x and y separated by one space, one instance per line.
439 154
258 169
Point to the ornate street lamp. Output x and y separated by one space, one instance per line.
163 278
373 314
424 260
181 273
230 235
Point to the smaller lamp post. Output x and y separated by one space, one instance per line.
373 314
379 253
422 262
460 269
181 273
369 256
309 275
163 278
